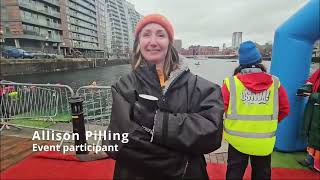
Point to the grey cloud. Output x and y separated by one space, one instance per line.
211 22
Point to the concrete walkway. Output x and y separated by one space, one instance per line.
219 156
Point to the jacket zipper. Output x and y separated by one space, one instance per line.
185 169
163 93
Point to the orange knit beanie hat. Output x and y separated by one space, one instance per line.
158 19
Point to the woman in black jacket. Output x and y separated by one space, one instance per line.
169 140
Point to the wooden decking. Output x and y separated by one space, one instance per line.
14 149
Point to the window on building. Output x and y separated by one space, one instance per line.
49 34
26 14
29 28
36 29
6 28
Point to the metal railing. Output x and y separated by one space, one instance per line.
21 102
28 105
96 106
39 9
41 22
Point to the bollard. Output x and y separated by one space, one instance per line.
78 122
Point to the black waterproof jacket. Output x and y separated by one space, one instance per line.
187 125
311 125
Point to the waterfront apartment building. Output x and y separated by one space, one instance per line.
186 52
177 43
236 39
93 28
117 27
102 27
208 50
199 50
33 25
80 27
133 19
121 21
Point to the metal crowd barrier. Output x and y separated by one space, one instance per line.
21 102
38 102
96 106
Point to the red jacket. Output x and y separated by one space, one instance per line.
315 80
258 82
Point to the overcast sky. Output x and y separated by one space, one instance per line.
211 22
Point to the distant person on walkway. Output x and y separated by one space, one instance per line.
254 103
173 117
311 125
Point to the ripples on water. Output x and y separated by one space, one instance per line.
214 70
103 76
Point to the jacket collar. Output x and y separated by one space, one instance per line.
182 67
149 74
250 70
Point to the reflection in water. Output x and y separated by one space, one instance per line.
103 76
212 69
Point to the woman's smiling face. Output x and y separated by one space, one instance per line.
154 42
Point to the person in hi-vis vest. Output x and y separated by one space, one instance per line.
254 103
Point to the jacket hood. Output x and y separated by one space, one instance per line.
255 80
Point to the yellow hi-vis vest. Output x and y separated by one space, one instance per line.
251 120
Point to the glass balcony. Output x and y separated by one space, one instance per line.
81 17
85 46
53 2
41 23
83 4
81 31
82 10
84 39
26 5
42 37
82 25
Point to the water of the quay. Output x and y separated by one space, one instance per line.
214 70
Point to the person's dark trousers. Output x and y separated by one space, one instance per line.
237 164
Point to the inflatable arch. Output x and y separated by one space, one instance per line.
291 58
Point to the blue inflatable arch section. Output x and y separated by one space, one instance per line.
291 59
